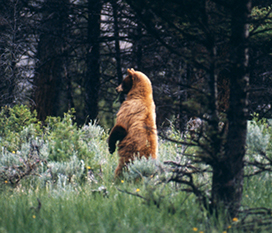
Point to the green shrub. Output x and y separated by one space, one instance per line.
60 175
16 118
65 139
257 137
59 153
141 168
13 121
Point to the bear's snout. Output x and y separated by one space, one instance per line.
119 88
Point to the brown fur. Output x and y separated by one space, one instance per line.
135 127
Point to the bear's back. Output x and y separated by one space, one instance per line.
138 117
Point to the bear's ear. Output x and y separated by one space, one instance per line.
131 71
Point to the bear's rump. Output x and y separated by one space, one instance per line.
136 144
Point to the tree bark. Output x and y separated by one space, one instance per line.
228 169
47 81
117 47
92 79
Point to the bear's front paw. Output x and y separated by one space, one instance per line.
112 148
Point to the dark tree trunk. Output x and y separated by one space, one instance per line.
69 88
50 48
46 91
117 47
92 80
228 170
139 52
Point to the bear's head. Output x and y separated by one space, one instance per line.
135 83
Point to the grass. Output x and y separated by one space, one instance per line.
82 209
258 191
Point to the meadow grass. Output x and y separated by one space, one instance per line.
83 210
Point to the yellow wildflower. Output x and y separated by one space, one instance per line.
229 226
235 219
137 190
195 229
122 181
201 231
34 216
89 168
13 152
224 231
6 181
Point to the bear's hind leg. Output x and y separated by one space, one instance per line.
118 171
123 161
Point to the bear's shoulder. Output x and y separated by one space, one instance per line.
130 107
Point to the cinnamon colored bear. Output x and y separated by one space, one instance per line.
135 127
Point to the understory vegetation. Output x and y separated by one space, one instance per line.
58 177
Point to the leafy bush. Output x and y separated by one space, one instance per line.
258 137
59 175
141 168
16 166
65 139
59 153
16 118
259 147
12 122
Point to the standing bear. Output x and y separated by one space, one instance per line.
135 127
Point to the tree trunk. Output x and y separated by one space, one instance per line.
69 88
138 42
117 47
228 170
92 80
47 81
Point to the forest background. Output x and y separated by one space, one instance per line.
58 55
208 60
